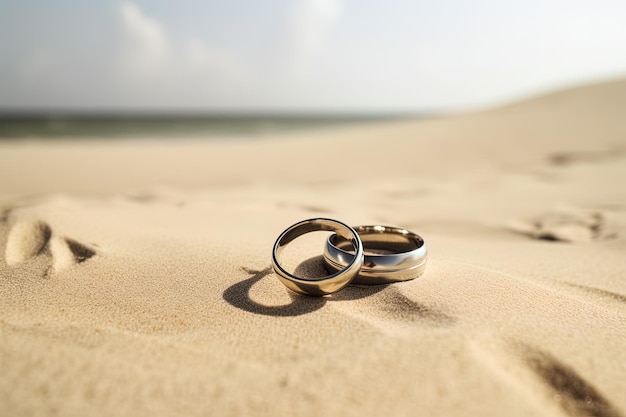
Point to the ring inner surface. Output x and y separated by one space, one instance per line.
314 226
380 243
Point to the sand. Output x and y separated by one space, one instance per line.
135 275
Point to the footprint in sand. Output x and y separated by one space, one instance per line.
67 252
515 362
575 395
568 225
589 156
27 239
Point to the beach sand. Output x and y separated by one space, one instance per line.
135 275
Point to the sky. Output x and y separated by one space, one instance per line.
301 55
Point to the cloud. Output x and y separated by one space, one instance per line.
148 47
156 66
309 27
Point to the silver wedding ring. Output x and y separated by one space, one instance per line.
392 254
339 278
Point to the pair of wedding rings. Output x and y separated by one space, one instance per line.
378 255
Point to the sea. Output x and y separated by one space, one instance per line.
51 126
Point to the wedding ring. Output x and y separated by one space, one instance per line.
391 254
340 277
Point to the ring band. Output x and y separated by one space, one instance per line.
395 254
339 278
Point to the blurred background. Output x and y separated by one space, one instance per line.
192 67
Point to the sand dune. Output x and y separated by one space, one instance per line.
135 276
